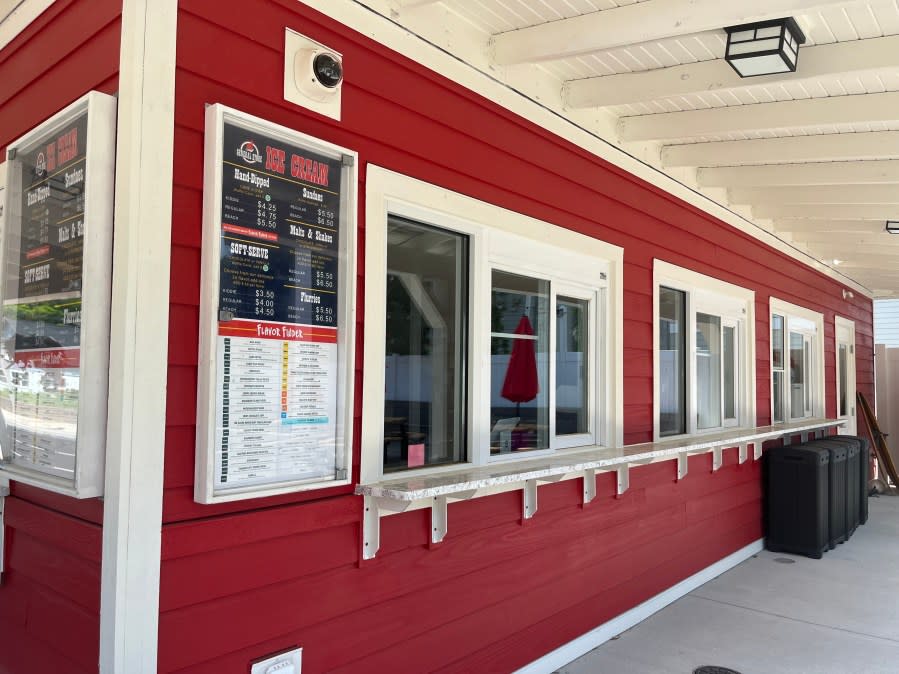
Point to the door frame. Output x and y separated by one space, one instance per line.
844 333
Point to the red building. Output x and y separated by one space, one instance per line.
459 530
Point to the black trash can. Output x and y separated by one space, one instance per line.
837 488
853 479
864 458
797 498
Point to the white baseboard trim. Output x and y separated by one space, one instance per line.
587 642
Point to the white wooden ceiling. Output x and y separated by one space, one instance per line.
811 156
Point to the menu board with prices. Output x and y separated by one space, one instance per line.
60 189
278 221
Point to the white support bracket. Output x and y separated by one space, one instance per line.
438 519
589 485
371 521
787 439
756 451
371 527
624 479
682 465
744 452
529 499
717 458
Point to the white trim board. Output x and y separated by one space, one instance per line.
719 296
19 18
598 636
360 15
794 311
132 509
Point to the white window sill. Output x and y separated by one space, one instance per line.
397 495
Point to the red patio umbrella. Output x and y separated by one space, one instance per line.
520 384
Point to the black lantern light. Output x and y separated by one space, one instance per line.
764 48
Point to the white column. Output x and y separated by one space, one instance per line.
132 511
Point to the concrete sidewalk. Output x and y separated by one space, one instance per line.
778 613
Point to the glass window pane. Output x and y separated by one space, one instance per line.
729 350
778 396
708 371
777 342
572 341
519 362
797 376
843 366
427 306
672 361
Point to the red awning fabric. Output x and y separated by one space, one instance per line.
520 384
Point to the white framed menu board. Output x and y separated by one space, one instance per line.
275 388
56 284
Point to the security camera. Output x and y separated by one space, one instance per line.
318 73
328 69
313 74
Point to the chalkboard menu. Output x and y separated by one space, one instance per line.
43 393
279 224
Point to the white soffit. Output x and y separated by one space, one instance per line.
643 85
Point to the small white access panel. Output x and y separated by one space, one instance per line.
284 663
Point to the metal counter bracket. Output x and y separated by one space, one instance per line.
438 518
756 451
371 521
717 458
682 464
589 485
744 452
624 479
529 499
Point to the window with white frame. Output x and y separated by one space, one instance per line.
797 362
703 355
489 336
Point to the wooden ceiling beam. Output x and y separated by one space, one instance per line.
881 212
799 226
640 22
818 148
853 57
818 173
816 194
882 107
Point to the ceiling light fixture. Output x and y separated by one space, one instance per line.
893 226
764 48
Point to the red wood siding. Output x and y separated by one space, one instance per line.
50 595
246 579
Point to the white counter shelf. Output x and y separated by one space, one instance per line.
434 491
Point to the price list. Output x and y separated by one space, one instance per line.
276 416
51 242
280 236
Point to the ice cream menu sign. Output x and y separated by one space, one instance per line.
41 334
56 272
277 330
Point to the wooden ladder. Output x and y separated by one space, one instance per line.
878 440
